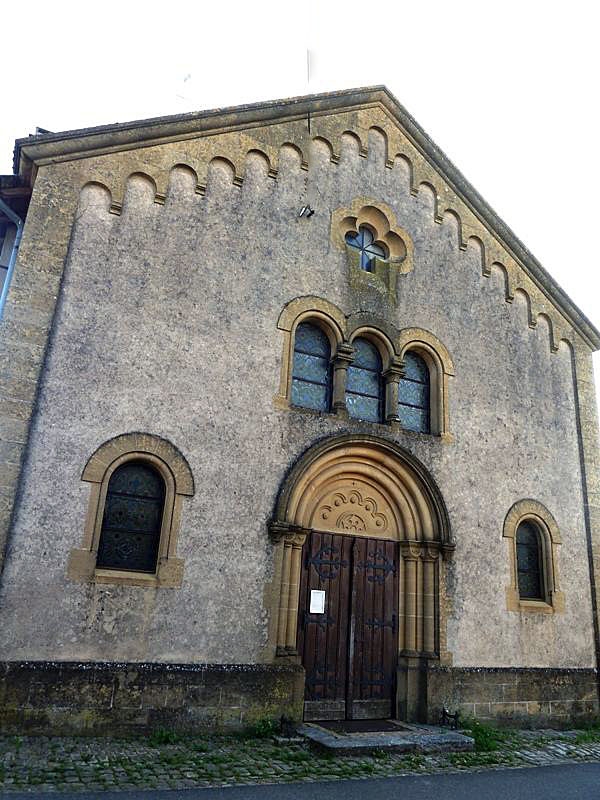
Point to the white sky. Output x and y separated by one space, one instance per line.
509 90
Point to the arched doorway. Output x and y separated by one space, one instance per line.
363 530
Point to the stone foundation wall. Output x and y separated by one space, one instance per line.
98 698
515 696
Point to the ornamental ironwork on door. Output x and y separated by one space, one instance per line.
349 651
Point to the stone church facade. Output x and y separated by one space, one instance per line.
292 424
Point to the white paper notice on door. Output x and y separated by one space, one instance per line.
317 601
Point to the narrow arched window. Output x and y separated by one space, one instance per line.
529 562
132 520
311 374
364 385
364 242
414 395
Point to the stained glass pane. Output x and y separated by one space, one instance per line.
414 419
528 562
127 551
310 395
361 407
415 368
363 381
311 339
375 250
527 534
366 355
367 236
136 479
132 519
366 261
132 513
414 394
311 368
363 241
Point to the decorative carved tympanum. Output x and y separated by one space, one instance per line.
355 508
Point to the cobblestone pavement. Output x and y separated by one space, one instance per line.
170 762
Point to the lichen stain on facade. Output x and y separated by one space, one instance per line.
171 270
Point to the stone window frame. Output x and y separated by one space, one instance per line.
381 221
179 483
528 510
389 369
441 369
316 312
391 344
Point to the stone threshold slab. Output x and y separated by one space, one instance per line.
408 739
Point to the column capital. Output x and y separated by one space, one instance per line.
411 551
424 549
343 356
395 371
292 533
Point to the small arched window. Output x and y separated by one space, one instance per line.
364 385
530 576
364 242
132 520
311 373
414 395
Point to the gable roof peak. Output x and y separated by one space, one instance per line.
126 135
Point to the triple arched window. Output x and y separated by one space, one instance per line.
366 376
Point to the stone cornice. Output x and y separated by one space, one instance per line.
50 148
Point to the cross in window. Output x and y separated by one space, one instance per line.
363 242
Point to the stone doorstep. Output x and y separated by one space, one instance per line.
409 739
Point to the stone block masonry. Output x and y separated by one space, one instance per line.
528 698
122 698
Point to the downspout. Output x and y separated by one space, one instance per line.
14 218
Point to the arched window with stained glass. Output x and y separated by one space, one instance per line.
414 395
364 384
364 242
311 373
132 520
529 562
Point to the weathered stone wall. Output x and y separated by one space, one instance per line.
167 323
101 698
529 698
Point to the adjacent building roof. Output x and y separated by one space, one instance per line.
46 148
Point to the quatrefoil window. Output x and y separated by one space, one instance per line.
364 242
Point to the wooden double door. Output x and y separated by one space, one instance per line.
348 626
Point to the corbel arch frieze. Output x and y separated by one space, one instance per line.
156 162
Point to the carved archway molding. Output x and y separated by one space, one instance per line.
364 486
